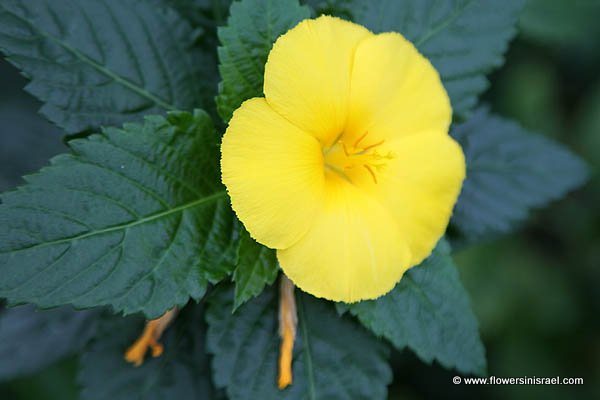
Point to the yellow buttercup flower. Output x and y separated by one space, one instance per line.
345 166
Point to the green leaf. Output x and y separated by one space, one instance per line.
31 340
103 62
256 267
181 372
509 171
341 8
334 358
251 30
463 39
135 218
428 311
202 13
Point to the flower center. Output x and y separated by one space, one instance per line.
349 159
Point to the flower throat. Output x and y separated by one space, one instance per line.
349 159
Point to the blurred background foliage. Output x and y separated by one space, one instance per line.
536 293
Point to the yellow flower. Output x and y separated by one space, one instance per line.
345 166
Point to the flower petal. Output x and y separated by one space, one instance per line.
307 75
352 252
419 186
395 91
273 172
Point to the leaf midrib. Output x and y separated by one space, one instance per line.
125 226
98 67
437 29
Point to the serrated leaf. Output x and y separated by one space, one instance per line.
135 218
246 41
463 39
340 8
428 311
334 358
104 62
202 13
509 171
256 267
181 372
31 340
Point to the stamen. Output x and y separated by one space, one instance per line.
345 149
372 145
149 339
337 139
287 331
371 172
360 139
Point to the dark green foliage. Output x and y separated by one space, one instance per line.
31 340
509 171
201 13
135 218
182 372
256 267
334 358
340 8
428 311
562 22
246 41
104 62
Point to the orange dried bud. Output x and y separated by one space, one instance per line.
149 339
287 331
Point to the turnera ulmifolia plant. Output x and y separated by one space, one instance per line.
345 167
278 224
